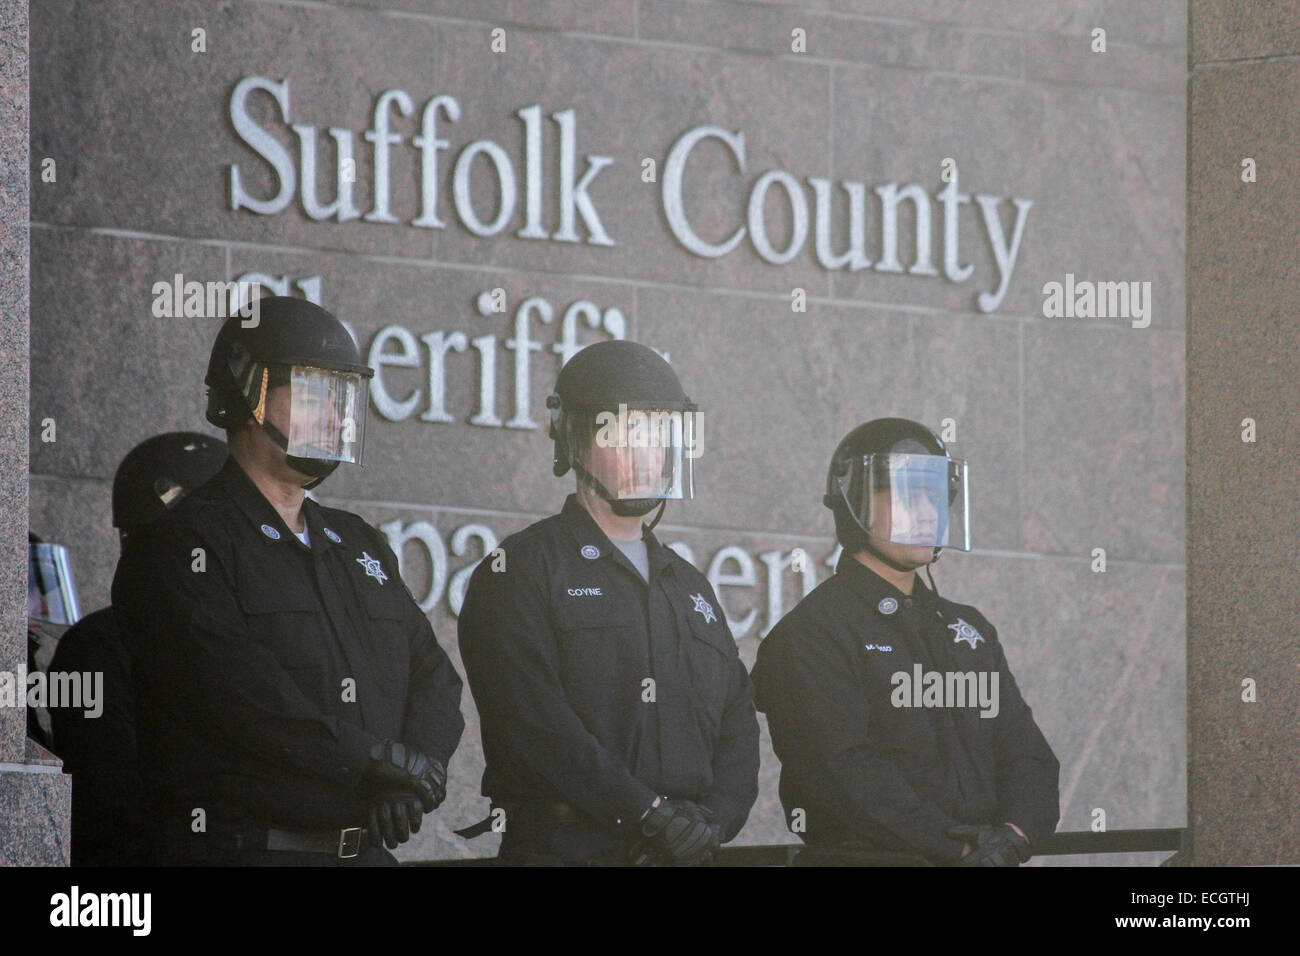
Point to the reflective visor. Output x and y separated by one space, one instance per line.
918 500
51 593
327 414
638 452
319 412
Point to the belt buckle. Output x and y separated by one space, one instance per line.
349 843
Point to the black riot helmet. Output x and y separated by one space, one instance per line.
624 396
290 341
160 471
892 479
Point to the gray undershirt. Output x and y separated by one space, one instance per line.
635 550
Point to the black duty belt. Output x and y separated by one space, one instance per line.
343 844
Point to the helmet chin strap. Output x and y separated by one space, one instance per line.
318 468
930 574
663 503
623 507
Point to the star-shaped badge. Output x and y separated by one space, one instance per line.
704 608
966 633
373 568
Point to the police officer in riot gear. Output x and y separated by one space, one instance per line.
294 707
617 719
902 736
99 749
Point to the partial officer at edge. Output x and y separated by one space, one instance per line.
290 690
99 750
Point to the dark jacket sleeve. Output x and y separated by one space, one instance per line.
511 660
809 686
100 745
735 759
191 651
99 750
1028 772
433 722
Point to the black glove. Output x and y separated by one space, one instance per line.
395 764
677 832
395 814
997 845
700 811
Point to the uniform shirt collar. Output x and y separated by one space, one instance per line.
262 515
322 536
582 526
876 588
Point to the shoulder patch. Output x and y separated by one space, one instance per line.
965 632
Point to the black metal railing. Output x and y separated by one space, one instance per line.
1168 839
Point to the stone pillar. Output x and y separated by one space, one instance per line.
1243 346
34 794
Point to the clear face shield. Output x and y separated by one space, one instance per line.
51 592
637 453
327 414
914 500
320 413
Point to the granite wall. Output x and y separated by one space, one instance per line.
35 798
1242 350
1074 426
14 262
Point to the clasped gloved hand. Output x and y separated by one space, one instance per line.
394 765
395 813
677 832
997 845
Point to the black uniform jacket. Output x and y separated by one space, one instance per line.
266 673
559 648
864 770
100 751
